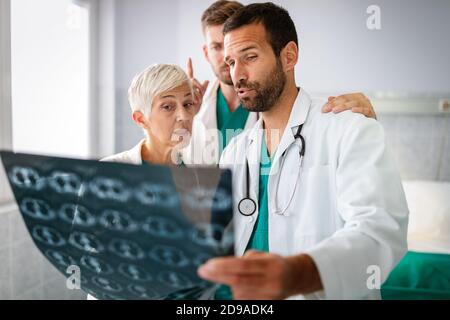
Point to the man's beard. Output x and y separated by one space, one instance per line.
266 95
226 79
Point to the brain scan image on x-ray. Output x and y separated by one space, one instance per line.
64 182
60 258
47 236
86 242
77 215
26 178
37 209
118 221
96 265
134 232
162 228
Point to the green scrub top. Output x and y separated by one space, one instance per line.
260 236
229 120
259 239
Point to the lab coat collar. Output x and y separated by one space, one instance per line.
299 111
298 116
132 155
135 154
253 156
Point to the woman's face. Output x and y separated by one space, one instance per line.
170 119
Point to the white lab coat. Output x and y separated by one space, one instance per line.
345 206
203 148
132 156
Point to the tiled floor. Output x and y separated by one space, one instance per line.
24 272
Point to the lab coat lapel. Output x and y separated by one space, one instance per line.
253 117
291 168
298 116
207 114
253 157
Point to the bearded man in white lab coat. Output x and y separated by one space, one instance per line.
222 115
327 221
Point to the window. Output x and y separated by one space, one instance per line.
50 77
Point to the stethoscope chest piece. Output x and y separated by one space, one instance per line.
247 207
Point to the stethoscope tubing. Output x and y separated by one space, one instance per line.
247 206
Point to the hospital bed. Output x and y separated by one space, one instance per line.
424 272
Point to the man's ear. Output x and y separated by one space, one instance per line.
205 52
289 56
139 119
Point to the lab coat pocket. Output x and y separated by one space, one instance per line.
314 203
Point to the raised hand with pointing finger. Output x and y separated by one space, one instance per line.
199 89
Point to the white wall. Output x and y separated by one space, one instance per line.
145 33
338 53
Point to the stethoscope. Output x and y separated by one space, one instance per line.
247 206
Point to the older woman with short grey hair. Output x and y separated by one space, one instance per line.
163 103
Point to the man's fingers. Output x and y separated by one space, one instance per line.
351 96
249 282
255 288
253 293
197 85
222 278
205 85
234 266
245 294
345 106
197 90
360 97
217 278
254 254
341 103
368 112
361 110
326 108
190 69
338 101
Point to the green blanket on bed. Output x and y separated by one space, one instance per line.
419 276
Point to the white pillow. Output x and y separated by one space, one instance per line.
429 218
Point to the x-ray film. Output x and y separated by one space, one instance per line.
134 232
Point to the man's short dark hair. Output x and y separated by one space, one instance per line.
219 12
279 26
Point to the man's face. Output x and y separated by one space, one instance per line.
213 51
256 72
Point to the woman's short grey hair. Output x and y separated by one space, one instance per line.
151 82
